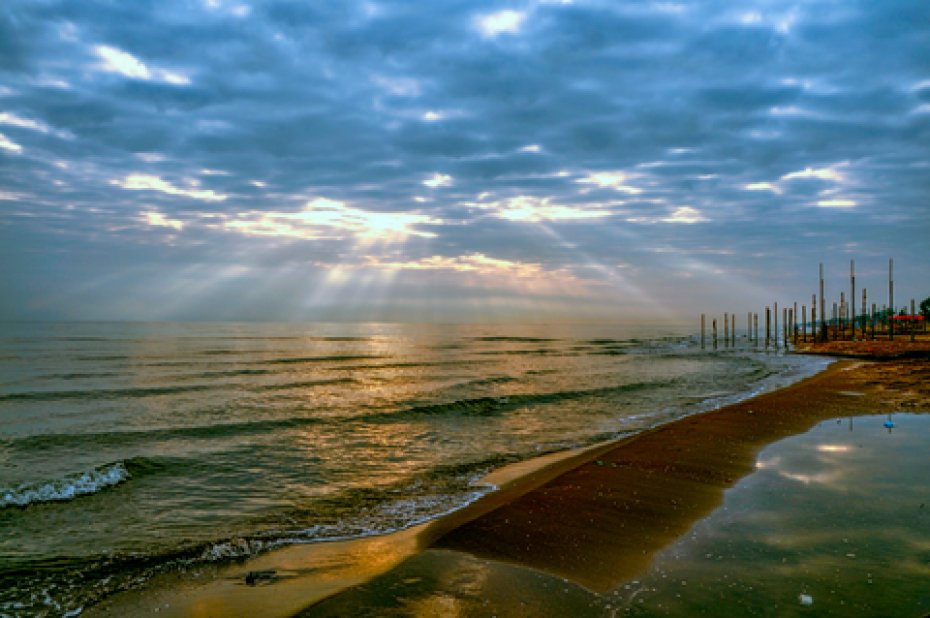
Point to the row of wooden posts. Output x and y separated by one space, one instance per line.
843 324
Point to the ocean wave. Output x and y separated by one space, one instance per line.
459 363
145 436
487 406
290 360
303 384
515 339
157 391
108 393
65 488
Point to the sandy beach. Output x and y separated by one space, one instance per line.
559 534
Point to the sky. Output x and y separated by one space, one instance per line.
535 160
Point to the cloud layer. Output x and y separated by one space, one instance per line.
386 160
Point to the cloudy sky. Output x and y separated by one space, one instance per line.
458 159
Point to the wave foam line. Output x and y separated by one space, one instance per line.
65 488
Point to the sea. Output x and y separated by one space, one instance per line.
133 449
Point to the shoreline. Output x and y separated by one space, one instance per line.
556 514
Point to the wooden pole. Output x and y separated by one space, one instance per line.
726 330
733 329
834 321
913 323
842 315
702 331
852 295
749 326
804 322
775 332
784 330
714 329
891 297
794 323
814 317
823 310
873 321
768 325
865 312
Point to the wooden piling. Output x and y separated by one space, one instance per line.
726 330
768 325
702 331
804 322
775 331
891 297
823 310
814 317
913 324
784 330
714 332
841 316
834 321
755 327
852 295
865 312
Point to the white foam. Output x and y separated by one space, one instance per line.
65 488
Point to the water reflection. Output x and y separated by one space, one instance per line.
833 521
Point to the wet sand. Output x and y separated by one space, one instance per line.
556 533
599 524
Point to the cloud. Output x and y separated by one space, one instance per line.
534 209
685 214
25 123
146 182
823 173
8 144
10 119
612 180
122 62
489 271
762 186
438 180
836 203
324 218
157 219
502 22
592 131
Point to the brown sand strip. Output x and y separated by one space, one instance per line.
600 523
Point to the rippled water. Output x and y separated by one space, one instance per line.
126 449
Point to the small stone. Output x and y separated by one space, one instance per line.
806 599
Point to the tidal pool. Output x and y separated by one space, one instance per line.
832 522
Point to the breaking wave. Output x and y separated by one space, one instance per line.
65 488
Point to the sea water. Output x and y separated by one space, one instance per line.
129 449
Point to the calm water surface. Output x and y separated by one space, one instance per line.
835 522
129 449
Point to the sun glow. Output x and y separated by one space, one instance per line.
325 218
535 209
611 180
